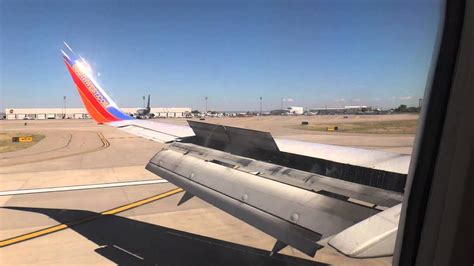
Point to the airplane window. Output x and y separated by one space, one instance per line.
208 132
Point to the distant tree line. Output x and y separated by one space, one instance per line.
404 109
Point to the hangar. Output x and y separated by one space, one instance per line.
81 113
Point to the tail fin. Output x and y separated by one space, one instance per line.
98 104
148 105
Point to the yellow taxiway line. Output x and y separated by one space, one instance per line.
59 227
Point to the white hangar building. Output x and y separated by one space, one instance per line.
81 113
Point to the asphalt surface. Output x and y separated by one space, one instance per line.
130 223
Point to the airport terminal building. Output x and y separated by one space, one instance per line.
81 113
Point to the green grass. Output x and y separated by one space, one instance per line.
372 127
6 144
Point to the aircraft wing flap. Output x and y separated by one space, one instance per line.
302 179
373 237
276 208
291 234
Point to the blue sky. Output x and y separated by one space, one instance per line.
318 53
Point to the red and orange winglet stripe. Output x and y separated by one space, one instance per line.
96 115
100 107
95 109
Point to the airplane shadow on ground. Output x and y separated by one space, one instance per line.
129 242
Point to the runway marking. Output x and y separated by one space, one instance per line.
80 187
60 227
103 140
41 152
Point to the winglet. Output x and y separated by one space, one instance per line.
98 104
148 105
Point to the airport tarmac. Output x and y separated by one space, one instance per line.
287 127
90 201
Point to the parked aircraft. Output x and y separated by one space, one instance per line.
306 195
144 112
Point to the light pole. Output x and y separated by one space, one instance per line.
144 101
281 104
260 105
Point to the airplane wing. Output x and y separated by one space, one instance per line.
305 195
161 132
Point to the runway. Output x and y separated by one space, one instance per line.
71 200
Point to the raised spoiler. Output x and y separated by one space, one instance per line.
243 173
